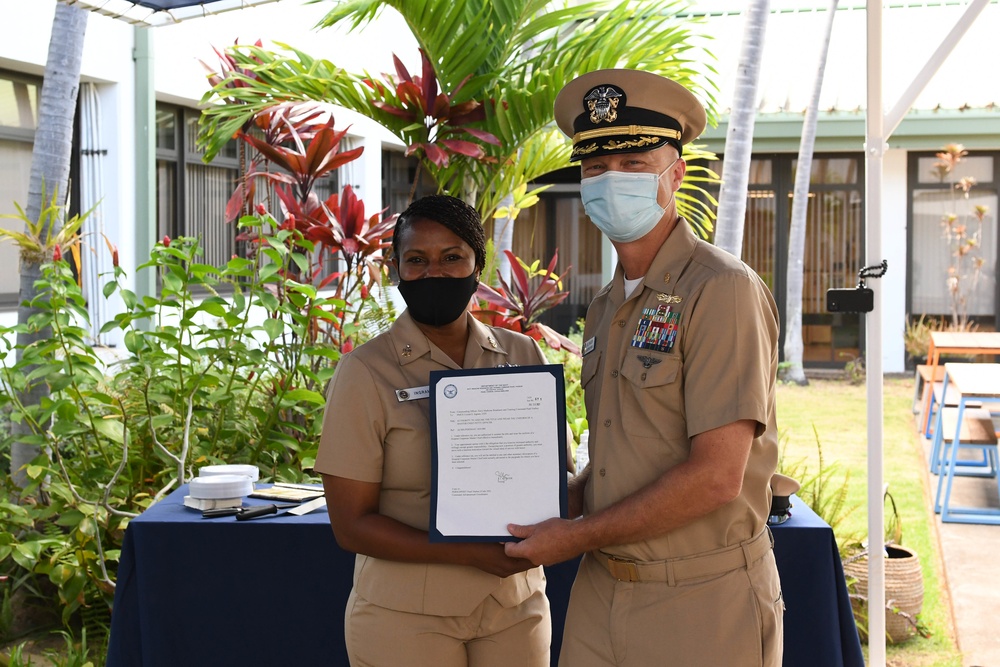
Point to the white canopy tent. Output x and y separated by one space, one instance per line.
878 128
162 12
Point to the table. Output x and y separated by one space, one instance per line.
972 382
271 591
955 342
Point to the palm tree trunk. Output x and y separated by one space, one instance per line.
503 238
50 161
739 136
800 207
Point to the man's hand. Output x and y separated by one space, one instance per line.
547 543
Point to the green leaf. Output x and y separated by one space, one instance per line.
306 395
110 428
273 327
268 301
133 341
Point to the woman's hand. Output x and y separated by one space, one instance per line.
359 527
490 557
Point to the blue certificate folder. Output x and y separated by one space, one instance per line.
498 443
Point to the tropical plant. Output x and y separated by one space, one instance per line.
531 292
963 233
917 334
824 490
492 69
50 161
200 379
332 242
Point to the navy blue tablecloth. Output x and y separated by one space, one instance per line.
271 591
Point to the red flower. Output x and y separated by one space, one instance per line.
261 209
166 241
57 254
346 346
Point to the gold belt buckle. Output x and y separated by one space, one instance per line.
626 565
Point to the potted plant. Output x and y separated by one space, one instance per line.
904 584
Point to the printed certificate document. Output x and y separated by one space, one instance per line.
498 438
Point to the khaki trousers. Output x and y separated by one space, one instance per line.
733 619
491 636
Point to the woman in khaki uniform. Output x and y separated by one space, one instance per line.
416 603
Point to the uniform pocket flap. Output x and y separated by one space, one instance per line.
588 369
645 368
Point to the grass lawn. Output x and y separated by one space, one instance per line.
836 410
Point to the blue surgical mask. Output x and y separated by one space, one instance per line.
622 204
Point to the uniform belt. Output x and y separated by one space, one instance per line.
674 570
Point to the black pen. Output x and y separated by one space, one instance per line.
243 513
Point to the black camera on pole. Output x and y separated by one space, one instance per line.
859 299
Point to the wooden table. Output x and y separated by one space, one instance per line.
973 382
955 342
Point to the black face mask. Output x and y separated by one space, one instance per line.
438 301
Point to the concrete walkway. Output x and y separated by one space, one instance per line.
971 556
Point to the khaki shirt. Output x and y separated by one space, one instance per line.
693 349
372 434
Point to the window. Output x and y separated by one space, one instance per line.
399 174
834 250
18 118
191 195
933 198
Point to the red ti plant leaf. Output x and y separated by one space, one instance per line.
301 140
428 81
518 305
463 147
482 135
421 100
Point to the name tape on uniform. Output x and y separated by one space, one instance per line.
413 393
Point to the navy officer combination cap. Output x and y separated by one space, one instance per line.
612 111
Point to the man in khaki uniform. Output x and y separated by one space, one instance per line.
680 356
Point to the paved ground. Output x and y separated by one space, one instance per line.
971 555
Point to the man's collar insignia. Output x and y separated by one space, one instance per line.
602 103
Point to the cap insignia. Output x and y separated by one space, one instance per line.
602 103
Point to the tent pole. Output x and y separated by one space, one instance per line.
875 145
